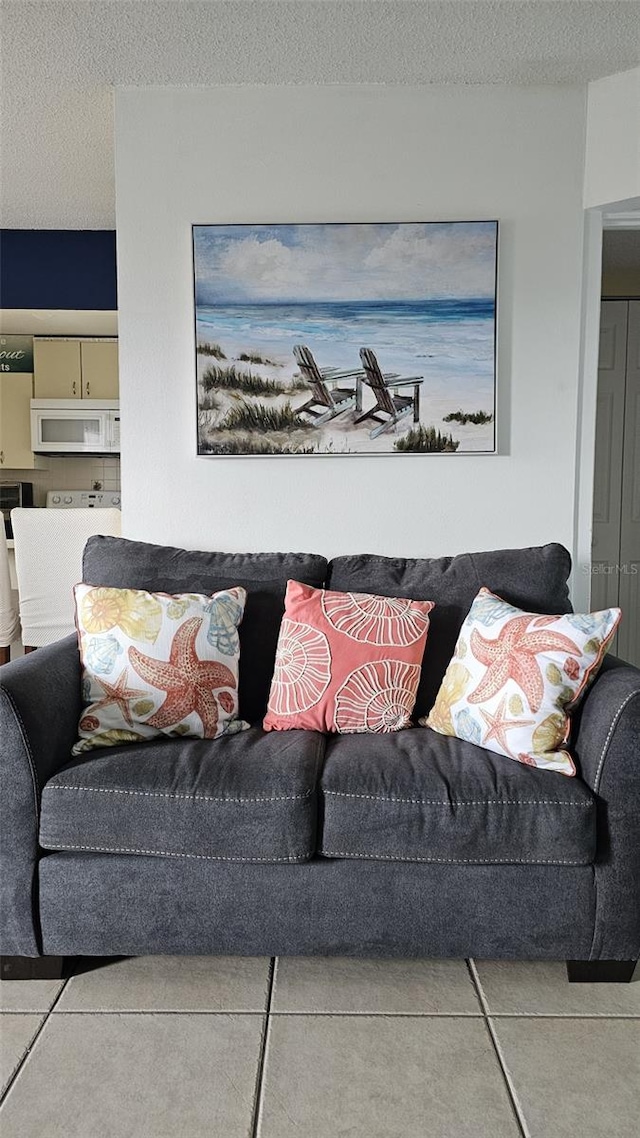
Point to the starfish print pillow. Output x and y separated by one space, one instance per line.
515 677
155 664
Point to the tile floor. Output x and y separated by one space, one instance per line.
318 1048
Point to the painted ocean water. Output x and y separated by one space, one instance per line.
448 342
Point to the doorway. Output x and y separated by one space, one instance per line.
615 569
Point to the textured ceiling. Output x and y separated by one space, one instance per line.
62 60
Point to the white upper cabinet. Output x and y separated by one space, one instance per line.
75 368
16 390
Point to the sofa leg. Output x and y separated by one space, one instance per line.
600 971
31 967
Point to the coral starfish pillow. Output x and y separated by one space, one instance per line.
515 677
155 664
346 662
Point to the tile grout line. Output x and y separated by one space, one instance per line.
566 1015
259 1087
33 1042
511 1090
508 1080
261 1012
341 1013
151 1011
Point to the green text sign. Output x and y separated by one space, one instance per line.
16 353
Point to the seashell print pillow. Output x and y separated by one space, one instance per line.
347 662
516 676
155 664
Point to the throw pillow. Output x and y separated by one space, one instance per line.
347 662
155 664
515 676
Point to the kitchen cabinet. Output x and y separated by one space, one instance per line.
16 390
66 368
99 366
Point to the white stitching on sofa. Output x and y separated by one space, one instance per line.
610 732
464 802
187 797
336 793
596 786
167 853
455 860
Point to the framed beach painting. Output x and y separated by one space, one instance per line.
344 339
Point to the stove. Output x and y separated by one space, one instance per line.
82 499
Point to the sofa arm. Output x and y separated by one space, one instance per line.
39 711
607 746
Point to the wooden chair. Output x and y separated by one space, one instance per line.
388 401
328 400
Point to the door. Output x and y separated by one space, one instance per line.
57 369
16 389
629 635
99 360
616 506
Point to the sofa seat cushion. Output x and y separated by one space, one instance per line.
419 796
245 797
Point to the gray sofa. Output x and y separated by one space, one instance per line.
409 844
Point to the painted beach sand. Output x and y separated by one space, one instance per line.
420 297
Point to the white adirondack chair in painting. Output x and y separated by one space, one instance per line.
327 400
389 401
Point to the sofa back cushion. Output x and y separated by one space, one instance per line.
534 579
121 563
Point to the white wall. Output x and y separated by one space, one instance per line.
612 161
351 154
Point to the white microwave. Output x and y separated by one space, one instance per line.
75 426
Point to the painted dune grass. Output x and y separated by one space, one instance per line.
250 390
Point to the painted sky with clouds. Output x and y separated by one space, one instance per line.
255 264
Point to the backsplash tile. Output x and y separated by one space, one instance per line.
69 473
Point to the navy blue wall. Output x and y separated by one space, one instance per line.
58 268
